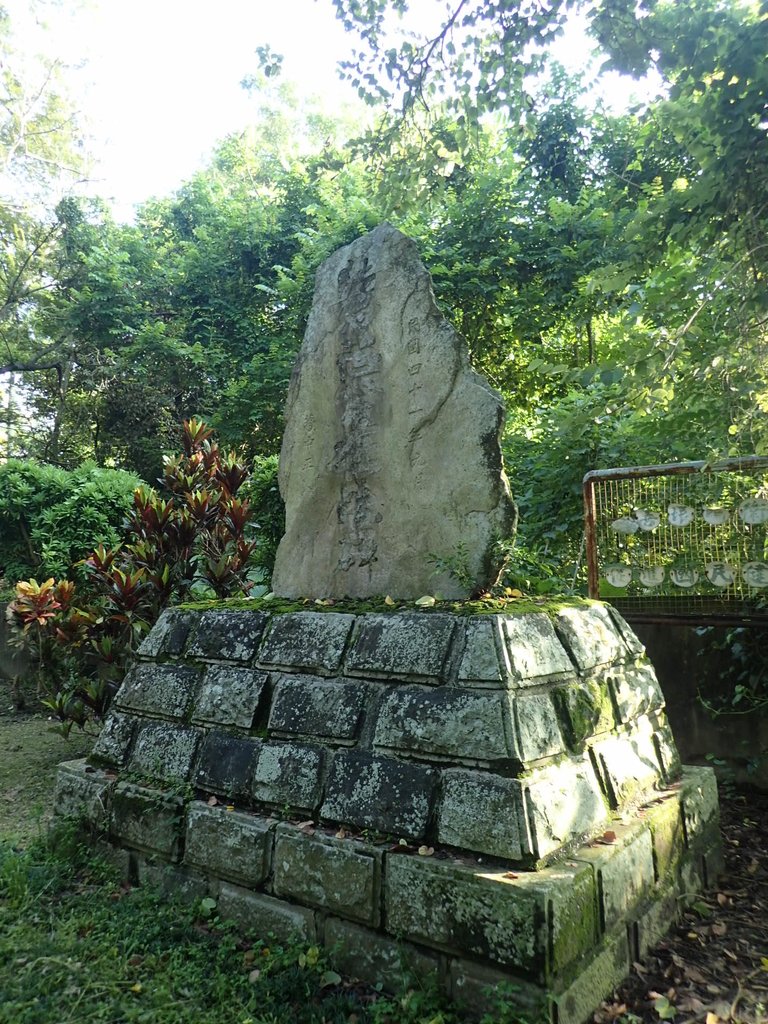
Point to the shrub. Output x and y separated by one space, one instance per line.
195 537
52 518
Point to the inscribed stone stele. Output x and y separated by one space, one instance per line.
391 463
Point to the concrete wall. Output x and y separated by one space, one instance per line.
688 664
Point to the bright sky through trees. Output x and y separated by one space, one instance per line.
158 81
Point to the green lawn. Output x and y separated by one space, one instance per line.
77 947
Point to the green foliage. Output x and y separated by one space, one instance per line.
83 947
196 537
51 518
263 492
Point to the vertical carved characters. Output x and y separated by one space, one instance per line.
386 464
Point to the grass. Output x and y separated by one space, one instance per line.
77 947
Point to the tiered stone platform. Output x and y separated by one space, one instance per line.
493 797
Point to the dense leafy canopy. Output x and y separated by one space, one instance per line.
608 271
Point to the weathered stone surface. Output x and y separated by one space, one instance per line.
228 636
225 765
480 811
164 690
536 923
563 803
635 690
601 974
336 875
665 819
666 750
228 844
362 953
312 706
164 751
590 635
585 710
533 649
168 635
111 748
701 809
442 722
628 635
401 646
480 663
289 774
628 766
391 453
479 988
538 730
380 793
147 819
313 640
266 916
229 696
83 794
624 871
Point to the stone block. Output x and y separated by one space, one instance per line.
167 691
169 634
390 457
585 710
538 730
480 664
265 917
228 636
665 820
481 811
666 749
170 879
635 690
534 650
701 809
336 875
312 706
308 640
147 819
466 725
83 794
228 844
563 803
163 751
628 635
590 636
289 774
225 765
536 923
359 952
595 979
113 744
402 646
480 989
628 767
379 793
656 919
624 871
229 696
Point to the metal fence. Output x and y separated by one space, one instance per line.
683 541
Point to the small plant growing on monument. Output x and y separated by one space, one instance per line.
194 536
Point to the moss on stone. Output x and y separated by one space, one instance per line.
380 605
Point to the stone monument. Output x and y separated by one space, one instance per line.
382 402
485 797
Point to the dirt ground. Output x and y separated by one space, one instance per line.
712 967
29 754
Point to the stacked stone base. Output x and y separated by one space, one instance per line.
562 937
486 798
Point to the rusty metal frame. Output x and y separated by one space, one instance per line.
707 615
